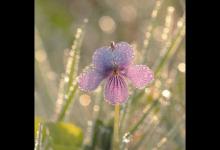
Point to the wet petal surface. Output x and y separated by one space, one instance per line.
116 90
89 80
139 75
106 58
123 54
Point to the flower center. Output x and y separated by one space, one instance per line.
115 72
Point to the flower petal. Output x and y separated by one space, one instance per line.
116 90
89 80
123 54
105 59
140 75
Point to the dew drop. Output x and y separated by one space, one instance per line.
96 108
126 138
85 20
66 79
66 97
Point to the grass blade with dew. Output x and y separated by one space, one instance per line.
44 73
128 135
172 46
164 139
44 65
70 76
146 112
148 133
38 140
150 28
169 52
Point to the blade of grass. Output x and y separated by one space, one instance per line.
164 139
151 27
171 49
41 59
169 52
38 140
67 103
135 127
43 71
146 135
71 72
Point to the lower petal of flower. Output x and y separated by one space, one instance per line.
116 90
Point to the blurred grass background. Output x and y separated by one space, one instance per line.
150 26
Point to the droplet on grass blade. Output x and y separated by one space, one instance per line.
127 138
96 108
181 67
166 93
66 79
40 55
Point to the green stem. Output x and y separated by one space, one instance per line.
116 128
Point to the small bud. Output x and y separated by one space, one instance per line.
112 45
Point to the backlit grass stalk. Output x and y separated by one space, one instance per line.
73 61
151 27
170 51
41 59
38 140
171 48
70 76
60 97
67 103
148 133
135 127
44 71
164 139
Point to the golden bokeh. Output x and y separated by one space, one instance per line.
84 100
107 24
128 13
182 67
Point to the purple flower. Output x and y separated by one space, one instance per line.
114 64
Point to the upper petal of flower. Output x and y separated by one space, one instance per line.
116 90
102 60
123 54
106 58
90 79
140 75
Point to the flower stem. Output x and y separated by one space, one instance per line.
116 128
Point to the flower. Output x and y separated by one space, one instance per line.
114 64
